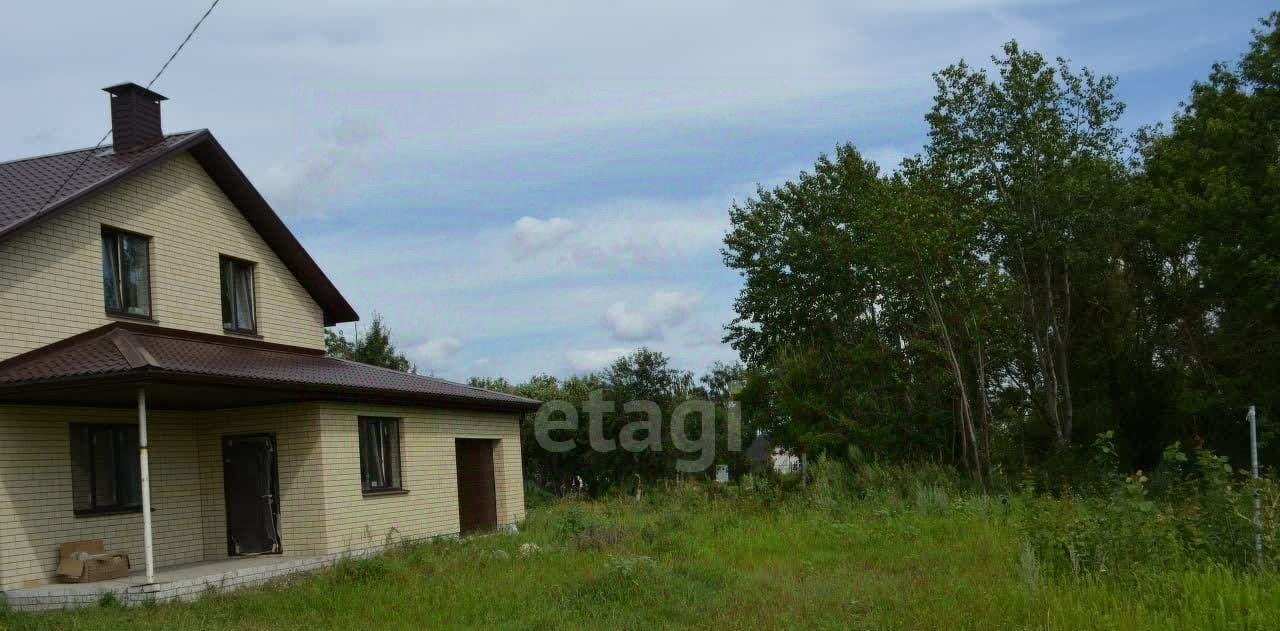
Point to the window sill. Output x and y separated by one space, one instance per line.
104 512
385 493
132 318
248 334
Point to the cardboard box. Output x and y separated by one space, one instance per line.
88 561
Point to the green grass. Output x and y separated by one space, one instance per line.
694 558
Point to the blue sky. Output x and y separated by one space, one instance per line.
539 187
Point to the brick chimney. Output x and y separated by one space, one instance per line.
135 117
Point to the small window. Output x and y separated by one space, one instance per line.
379 454
126 274
237 296
105 475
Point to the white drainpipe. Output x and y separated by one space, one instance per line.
143 461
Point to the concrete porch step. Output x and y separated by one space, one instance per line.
179 582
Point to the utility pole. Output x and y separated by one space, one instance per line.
1257 499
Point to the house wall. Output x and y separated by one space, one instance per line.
51 272
35 492
322 507
428 470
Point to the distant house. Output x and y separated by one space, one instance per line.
764 454
785 462
163 382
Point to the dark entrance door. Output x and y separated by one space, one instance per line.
249 481
477 493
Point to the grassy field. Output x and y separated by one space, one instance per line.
699 558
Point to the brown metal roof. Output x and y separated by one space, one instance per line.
126 353
31 185
35 188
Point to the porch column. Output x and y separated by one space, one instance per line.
145 465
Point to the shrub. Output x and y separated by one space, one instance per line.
761 490
1215 513
537 497
1199 511
573 521
831 484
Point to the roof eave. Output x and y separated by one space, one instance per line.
315 392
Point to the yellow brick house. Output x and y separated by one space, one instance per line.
164 386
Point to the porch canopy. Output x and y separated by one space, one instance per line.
183 370
126 365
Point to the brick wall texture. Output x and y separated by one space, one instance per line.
51 272
322 507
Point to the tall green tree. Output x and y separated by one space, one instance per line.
829 315
372 346
1213 188
958 298
1038 153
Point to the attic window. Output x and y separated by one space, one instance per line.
126 273
238 308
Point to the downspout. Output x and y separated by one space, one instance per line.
144 463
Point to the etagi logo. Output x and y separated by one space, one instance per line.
645 434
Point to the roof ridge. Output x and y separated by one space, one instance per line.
134 353
84 149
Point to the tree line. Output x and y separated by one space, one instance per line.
643 375
1031 279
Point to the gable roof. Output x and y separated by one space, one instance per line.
123 353
35 188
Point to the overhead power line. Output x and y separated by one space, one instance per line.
150 83
186 39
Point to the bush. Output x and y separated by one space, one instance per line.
831 484
1197 511
537 497
1104 536
573 521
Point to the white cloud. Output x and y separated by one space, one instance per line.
531 235
651 319
624 232
309 183
593 359
435 353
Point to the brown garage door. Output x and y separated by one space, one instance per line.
477 493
